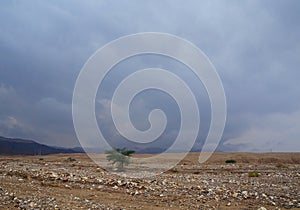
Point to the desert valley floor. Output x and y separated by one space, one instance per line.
73 181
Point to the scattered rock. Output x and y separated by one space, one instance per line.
212 187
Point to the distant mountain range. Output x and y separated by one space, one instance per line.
16 146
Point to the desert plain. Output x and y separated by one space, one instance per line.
73 181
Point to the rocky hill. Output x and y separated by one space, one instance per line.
15 146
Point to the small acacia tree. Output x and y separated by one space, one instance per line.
120 157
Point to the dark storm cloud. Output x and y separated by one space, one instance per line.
253 44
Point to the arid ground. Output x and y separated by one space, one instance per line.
73 181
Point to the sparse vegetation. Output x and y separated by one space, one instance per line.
172 171
253 174
119 157
70 159
230 161
280 165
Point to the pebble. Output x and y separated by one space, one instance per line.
235 195
31 204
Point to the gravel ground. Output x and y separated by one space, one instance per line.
61 182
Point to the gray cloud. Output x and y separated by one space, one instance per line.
273 132
253 44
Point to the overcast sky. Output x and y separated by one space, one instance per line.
254 45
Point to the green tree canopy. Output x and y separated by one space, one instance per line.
120 157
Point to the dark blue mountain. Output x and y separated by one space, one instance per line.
16 146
